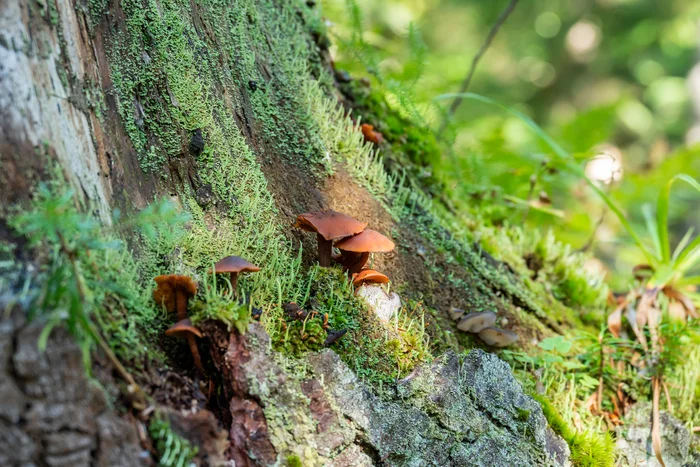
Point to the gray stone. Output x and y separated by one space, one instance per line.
352 456
634 440
384 305
450 413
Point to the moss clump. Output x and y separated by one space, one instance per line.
294 461
221 308
173 450
377 352
588 448
299 337
412 146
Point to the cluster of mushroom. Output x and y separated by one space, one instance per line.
482 324
173 291
354 242
352 238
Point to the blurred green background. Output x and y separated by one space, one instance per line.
606 78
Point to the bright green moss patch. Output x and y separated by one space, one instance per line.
301 336
377 352
218 303
588 448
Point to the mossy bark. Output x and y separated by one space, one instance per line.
227 107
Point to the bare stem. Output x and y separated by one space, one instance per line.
195 354
475 61
325 250
234 284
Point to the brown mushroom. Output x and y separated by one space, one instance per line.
368 276
356 249
234 265
184 329
329 226
173 291
476 322
496 337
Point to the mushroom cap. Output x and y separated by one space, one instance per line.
369 275
331 225
475 322
497 337
456 313
168 285
182 329
369 241
234 264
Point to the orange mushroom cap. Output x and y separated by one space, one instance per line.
234 264
369 241
168 285
369 275
182 329
331 225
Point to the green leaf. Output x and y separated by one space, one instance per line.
651 228
682 245
558 344
662 212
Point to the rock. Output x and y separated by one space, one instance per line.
634 440
351 457
451 413
384 305
277 409
202 430
49 413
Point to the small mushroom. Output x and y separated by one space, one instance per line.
329 226
496 337
475 322
371 134
234 265
456 313
173 291
368 276
184 329
356 249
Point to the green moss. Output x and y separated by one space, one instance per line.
220 305
588 448
377 352
114 291
299 337
294 461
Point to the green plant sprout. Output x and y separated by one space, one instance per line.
174 451
69 243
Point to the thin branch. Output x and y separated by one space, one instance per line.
475 61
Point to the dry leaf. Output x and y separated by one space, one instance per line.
655 420
615 320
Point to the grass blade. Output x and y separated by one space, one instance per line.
566 159
662 211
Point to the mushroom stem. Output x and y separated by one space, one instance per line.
325 250
195 354
181 305
356 266
234 283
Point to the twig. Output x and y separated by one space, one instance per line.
586 246
475 61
